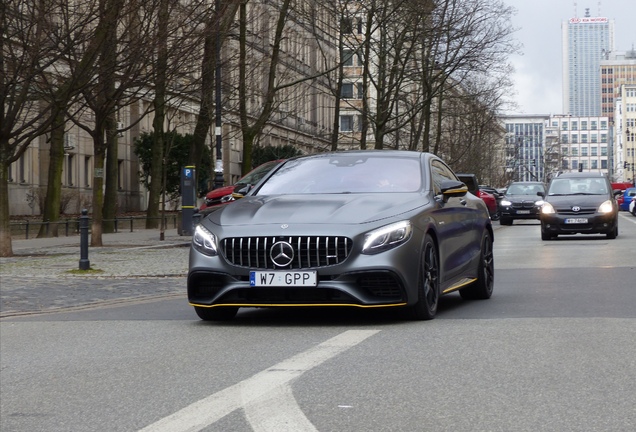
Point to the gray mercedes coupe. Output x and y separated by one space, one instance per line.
367 229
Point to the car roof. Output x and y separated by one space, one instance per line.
577 174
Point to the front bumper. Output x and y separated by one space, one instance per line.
596 223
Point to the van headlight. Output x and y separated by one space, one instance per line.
387 237
606 207
547 208
204 241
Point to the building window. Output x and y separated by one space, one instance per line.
564 151
603 151
87 171
594 138
603 124
583 151
69 170
347 57
594 164
604 164
594 151
564 125
21 171
346 123
347 91
575 125
603 138
575 139
583 125
575 151
120 174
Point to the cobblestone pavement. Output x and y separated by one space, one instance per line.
44 275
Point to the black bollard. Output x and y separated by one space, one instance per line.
84 263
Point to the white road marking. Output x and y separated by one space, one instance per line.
255 391
277 411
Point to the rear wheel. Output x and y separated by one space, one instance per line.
428 286
218 313
482 288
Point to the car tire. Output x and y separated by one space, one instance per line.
219 313
505 221
545 235
428 285
482 288
613 234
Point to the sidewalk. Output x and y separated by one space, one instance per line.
124 254
44 274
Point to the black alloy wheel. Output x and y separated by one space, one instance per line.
218 313
428 287
483 287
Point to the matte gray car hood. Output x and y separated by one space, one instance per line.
311 209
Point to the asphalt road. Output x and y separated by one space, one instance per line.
553 350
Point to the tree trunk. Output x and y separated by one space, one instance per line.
112 175
51 210
98 190
6 250
158 145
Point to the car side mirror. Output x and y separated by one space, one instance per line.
452 188
541 194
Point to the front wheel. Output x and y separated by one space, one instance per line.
428 286
482 288
218 313
613 234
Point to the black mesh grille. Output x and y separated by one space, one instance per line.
523 204
582 211
308 251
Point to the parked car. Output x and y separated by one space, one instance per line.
579 203
470 180
632 207
626 198
522 200
364 229
230 193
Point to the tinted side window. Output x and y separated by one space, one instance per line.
439 173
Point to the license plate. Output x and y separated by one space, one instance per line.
576 221
284 278
523 211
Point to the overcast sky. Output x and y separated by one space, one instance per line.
538 70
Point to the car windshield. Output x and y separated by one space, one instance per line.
257 173
345 174
578 186
524 189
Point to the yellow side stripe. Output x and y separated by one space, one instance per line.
296 305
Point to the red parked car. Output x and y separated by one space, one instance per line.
491 203
230 193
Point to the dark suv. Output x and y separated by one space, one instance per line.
522 200
580 203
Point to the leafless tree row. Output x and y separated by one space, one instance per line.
432 76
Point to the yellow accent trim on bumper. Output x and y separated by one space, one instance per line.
187 207
296 305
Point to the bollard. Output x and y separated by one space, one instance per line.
84 263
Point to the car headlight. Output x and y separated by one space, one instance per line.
204 241
606 207
505 203
547 208
387 237
539 203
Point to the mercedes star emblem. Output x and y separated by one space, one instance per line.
281 254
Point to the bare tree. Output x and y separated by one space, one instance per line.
34 91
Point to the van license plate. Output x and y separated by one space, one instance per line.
576 221
283 278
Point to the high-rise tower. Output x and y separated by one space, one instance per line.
586 40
